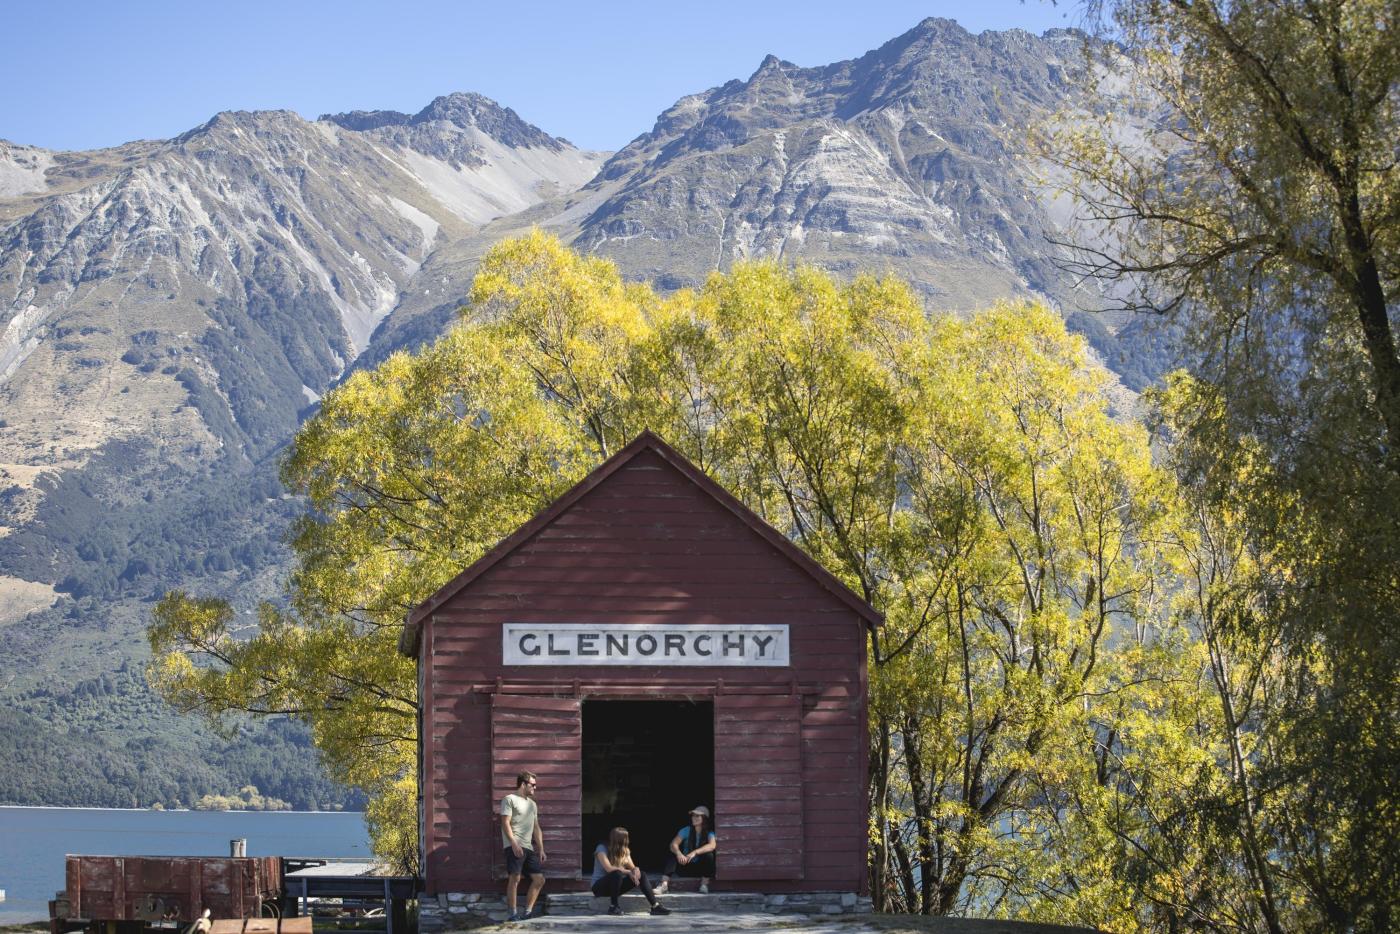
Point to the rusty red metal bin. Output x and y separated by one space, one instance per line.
167 888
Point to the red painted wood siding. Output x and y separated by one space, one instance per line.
543 735
758 786
646 546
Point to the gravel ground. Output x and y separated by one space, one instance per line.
686 923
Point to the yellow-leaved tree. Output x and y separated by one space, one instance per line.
1238 177
967 477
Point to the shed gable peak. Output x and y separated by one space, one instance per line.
685 472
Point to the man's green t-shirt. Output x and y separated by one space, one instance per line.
521 811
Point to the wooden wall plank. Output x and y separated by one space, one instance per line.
544 735
758 786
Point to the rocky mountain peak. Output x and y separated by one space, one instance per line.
466 109
933 33
235 122
770 64
362 120
463 110
925 42
937 69
938 26
260 249
898 158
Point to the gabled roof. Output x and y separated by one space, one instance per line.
646 441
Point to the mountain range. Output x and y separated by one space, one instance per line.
170 310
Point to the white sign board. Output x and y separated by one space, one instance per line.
665 644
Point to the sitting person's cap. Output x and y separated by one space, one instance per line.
701 810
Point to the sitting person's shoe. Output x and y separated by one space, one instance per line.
614 909
704 888
512 917
532 913
660 909
664 887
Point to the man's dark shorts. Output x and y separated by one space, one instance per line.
527 865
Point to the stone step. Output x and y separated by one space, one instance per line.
693 912
676 924
583 904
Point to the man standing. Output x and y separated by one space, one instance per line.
520 828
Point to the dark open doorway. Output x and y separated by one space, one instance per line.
645 765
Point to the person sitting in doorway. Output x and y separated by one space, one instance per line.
614 873
692 852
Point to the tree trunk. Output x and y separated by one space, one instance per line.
906 875
923 818
1379 339
951 884
879 800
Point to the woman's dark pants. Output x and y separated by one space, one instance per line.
701 866
618 883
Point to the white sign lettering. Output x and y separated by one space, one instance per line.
667 644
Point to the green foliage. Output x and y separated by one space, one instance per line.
1035 626
102 544
107 743
80 691
1244 160
1295 564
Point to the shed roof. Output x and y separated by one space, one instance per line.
646 441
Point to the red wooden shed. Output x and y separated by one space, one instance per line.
646 644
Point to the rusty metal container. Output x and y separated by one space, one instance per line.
168 888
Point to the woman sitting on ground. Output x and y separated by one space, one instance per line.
614 873
692 852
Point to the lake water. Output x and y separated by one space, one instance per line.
33 842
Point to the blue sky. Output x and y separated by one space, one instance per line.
80 75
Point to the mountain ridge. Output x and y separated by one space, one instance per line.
463 109
896 158
171 309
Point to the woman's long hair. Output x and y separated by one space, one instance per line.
706 828
619 847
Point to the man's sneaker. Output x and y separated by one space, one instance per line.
660 909
614 909
512 918
530 913
664 887
704 888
